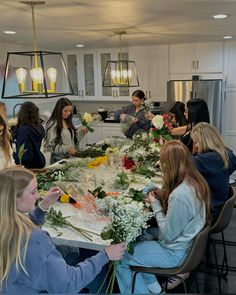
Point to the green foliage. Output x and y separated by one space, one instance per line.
122 180
98 193
21 152
144 170
136 195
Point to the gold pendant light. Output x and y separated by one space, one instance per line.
38 70
121 72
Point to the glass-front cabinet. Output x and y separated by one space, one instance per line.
111 93
82 72
86 70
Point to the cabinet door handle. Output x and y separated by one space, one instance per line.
117 93
197 64
112 93
193 64
150 94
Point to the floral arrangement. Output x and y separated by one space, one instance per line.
143 151
127 220
162 126
89 119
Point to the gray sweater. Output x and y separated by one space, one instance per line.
47 270
184 219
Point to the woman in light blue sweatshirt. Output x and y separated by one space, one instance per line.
181 209
29 262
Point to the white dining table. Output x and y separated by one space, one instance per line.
80 218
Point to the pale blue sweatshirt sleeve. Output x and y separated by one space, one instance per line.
172 224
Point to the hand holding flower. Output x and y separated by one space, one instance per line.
115 252
51 197
72 150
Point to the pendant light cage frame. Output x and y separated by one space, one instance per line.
25 59
37 73
121 72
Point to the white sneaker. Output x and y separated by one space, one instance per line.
174 282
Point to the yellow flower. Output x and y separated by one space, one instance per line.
88 118
98 161
64 198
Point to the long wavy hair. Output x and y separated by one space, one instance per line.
15 227
177 166
209 139
3 110
28 115
5 141
56 120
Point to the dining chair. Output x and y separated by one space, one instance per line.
190 263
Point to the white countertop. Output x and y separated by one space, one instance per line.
82 219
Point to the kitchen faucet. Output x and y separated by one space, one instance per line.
14 109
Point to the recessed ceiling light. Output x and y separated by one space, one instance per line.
227 37
79 45
9 32
220 16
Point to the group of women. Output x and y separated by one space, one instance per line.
61 137
195 186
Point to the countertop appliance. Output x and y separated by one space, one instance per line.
210 90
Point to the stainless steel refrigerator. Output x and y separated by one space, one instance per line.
210 90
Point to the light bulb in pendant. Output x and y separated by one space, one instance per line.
21 76
37 78
52 75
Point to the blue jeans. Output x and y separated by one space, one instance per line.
150 254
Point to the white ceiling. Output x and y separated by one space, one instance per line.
61 24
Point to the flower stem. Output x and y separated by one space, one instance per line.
104 281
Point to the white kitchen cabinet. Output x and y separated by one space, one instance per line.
82 69
111 93
152 68
101 131
196 58
230 62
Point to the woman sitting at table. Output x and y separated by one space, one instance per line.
62 138
30 132
182 209
6 159
132 116
29 262
196 112
214 161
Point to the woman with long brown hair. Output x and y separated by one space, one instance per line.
181 209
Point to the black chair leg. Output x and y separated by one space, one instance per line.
225 259
218 273
133 281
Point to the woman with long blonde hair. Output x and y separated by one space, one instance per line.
6 158
181 208
214 161
29 262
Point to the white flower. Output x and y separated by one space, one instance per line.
158 122
88 118
144 135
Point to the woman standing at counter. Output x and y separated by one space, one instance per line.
134 115
30 132
62 138
196 111
29 262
